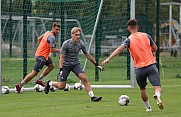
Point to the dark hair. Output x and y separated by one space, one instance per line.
56 24
132 22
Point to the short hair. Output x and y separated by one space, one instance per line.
132 22
56 24
75 29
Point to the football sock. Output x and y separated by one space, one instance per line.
91 94
40 78
158 95
22 83
147 104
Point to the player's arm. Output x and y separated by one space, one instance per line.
90 58
153 48
61 60
40 38
152 44
62 54
51 40
126 43
54 49
115 53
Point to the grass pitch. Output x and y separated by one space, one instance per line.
77 103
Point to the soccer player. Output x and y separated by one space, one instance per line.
69 61
141 47
46 46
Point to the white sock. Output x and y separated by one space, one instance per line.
147 104
50 83
40 78
22 83
91 94
158 95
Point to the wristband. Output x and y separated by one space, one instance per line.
60 69
95 64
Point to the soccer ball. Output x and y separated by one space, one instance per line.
5 90
67 87
124 100
38 88
78 86
52 89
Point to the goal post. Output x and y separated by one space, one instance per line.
0 57
132 77
103 25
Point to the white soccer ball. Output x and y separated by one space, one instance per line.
52 89
124 100
67 87
38 88
78 86
5 90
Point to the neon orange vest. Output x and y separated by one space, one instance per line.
44 47
140 50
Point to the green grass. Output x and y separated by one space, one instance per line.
12 71
116 70
77 103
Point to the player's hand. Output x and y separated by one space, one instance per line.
59 74
99 67
105 62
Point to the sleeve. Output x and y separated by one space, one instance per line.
151 40
51 41
63 49
83 47
126 42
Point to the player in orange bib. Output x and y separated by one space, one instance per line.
46 46
141 47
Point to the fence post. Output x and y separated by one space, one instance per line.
158 33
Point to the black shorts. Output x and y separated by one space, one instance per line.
40 62
150 72
67 69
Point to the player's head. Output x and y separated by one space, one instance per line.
56 28
132 25
76 29
75 33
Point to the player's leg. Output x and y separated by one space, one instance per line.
81 75
86 83
144 97
50 66
155 81
25 80
47 70
59 85
63 80
37 67
141 81
30 76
